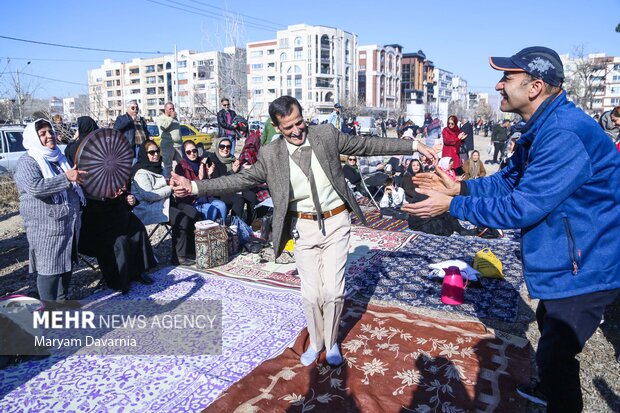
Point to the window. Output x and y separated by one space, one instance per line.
182 64
151 102
271 52
110 93
256 53
271 65
182 76
108 73
185 131
284 43
257 79
283 57
258 92
298 53
135 81
150 80
615 78
257 66
15 140
109 83
150 90
134 91
134 71
271 78
615 101
297 80
297 41
271 91
150 68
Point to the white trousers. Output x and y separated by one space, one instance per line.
321 259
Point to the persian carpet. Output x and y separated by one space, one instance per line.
261 268
401 277
259 322
394 362
374 220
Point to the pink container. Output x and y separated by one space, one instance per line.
453 290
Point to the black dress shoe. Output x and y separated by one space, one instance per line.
144 279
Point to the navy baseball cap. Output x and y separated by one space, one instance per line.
337 105
538 61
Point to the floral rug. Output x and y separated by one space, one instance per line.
401 277
261 267
394 362
259 322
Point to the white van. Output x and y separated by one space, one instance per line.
367 125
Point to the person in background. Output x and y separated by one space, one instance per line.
171 140
392 200
473 168
225 119
155 205
555 200
452 140
468 143
447 165
194 167
49 204
383 128
335 118
352 175
133 126
499 136
63 134
268 133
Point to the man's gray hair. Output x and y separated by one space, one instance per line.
131 102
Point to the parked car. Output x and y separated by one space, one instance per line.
209 127
12 147
367 125
203 141
257 125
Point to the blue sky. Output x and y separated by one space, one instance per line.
458 36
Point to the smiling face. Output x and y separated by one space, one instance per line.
475 156
47 136
152 151
292 127
515 89
224 148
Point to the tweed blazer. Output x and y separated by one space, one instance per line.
50 227
272 167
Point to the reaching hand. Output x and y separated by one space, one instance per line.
436 204
462 135
438 181
236 165
76 175
428 152
181 186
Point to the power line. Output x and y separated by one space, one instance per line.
79 47
205 13
49 78
276 24
50 60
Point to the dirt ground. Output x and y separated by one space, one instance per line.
600 363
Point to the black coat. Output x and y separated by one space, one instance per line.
468 142
223 124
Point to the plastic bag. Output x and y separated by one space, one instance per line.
488 264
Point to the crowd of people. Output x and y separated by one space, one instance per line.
433 178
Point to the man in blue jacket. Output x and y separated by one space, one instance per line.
561 188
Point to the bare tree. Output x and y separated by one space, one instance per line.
585 77
484 111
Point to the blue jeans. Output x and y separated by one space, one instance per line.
212 210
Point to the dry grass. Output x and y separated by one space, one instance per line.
9 198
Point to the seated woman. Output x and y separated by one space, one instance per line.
392 200
192 167
444 224
111 233
473 168
352 175
446 164
155 205
226 164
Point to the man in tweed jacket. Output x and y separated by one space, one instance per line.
321 241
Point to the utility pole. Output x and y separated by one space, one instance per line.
20 108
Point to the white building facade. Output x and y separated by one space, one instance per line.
193 81
315 64
379 76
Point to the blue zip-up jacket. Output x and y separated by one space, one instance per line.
562 187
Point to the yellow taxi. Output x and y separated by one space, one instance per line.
203 141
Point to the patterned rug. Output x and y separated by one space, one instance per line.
365 242
395 362
401 277
259 322
375 221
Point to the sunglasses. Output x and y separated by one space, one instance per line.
225 146
352 159
191 151
153 152
133 107
225 104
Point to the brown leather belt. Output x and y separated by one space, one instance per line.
325 215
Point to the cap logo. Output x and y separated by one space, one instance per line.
540 65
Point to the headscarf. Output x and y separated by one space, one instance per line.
455 130
86 125
45 156
228 161
195 165
444 163
474 166
609 126
144 163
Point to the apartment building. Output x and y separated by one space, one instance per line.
417 79
315 64
379 76
593 81
459 91
443 80
194 81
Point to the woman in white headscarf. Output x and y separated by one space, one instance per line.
49 203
